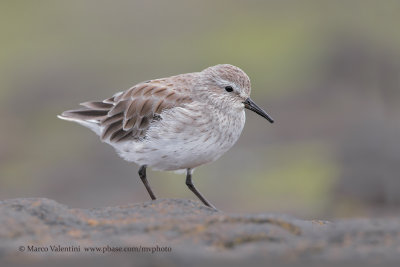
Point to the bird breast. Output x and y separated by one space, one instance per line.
187 137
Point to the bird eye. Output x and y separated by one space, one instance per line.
228 88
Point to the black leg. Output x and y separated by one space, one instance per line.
194 190
142 175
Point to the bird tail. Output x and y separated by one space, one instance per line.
90 116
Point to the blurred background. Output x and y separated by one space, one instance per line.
327 71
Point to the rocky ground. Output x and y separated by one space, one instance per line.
169 232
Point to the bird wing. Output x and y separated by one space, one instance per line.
128 114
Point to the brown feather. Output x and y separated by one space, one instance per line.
132 109
138 91
128 124
125 95
112 119
109 100
97 105
159 106
144 123
127 135
112 128
160 91
128 115
148 91
85 114
117 135
146 108
118 108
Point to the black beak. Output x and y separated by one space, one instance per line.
249 104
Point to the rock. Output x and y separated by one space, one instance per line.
183 231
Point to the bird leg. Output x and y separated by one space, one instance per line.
190 184
142 175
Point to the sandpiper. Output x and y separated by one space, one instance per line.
173 124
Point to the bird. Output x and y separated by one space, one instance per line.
173 124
